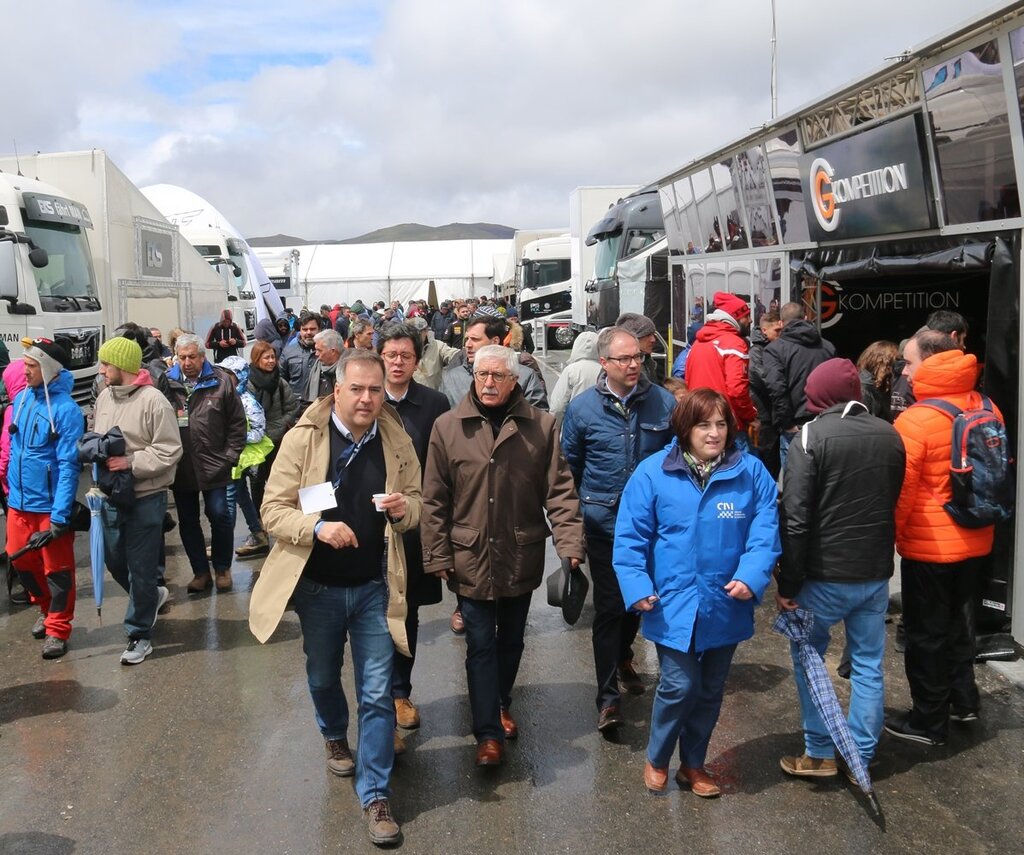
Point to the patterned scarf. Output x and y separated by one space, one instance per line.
703 469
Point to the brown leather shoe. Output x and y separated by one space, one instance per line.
200 583
489 753
406 714
655 779
224 580
629 680
457 624
508 724
400 746
699 781
610 719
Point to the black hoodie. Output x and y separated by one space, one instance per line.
787 362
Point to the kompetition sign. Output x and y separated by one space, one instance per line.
871 183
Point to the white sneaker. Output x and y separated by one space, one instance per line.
136 651
162 596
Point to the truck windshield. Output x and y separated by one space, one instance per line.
606 256
538 273
638 239
68 282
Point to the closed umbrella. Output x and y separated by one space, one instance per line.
795 625
94 499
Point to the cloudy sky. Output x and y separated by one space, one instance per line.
328 119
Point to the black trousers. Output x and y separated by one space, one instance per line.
938 615
614 629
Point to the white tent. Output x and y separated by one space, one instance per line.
344 273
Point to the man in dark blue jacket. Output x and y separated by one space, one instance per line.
607 431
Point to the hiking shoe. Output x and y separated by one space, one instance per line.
629 680
963 716
339 758
224 582
809 767
136 651
255 544
54 648
162 596
406 714
39 628
384 831
900 727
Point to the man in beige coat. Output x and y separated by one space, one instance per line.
344 487
494 467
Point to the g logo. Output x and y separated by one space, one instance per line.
825 210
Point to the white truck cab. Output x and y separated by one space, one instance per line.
46 275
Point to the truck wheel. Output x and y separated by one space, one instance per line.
561 338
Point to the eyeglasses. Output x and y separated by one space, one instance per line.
626 361
394 356
496 376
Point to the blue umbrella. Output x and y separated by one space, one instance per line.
94 499
796 625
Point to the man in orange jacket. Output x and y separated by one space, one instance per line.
940 559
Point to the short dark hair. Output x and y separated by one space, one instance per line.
397 332
771 317
698 406
497 327
356 354
305 316
930 342
946 321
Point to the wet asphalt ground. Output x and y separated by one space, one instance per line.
210 747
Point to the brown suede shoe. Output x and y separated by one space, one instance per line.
508 724
699 781
200 583
383 829
339 758
224 580
406 714
655 779
809 767
489 753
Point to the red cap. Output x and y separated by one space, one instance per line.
731 305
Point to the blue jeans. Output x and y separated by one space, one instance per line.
494 646
861 606
327 615
132 544
784 438
687 703
239 496
221 515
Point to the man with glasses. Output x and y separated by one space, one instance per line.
494 468
400 346
482 330
607 431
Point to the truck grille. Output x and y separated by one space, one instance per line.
82 344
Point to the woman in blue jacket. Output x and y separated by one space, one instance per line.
696 539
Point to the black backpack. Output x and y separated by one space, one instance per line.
980 470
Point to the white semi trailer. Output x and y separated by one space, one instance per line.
145 270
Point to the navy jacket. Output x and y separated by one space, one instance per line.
603 442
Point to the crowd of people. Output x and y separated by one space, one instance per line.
379 454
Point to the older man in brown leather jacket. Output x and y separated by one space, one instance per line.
494 467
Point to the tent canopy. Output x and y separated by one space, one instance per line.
403 270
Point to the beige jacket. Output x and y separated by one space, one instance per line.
436 355
150 430
302 461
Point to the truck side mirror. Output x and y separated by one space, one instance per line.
8 271
39 257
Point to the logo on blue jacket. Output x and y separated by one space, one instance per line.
727 511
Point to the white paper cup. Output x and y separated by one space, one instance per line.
377 499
